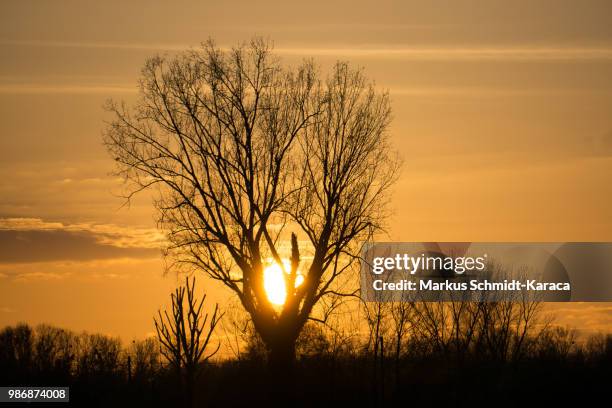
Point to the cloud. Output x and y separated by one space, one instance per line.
28 88
588 318
461 53
447 52
97 45
109 234
40 276
26 240
598 146
28 224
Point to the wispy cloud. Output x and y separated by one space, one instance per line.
107 234
589 318
15 89
490 92
28 224
449 52
36 240
40 276
460 53
98 45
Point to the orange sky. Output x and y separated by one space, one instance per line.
501 113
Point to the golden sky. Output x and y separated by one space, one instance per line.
502 113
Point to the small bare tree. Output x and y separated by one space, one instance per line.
184 334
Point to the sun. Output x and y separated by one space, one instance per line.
274 282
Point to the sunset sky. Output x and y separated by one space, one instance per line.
502 114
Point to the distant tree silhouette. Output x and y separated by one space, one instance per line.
145 357
242 149
54 350
184 335
401 314
17 350
98 356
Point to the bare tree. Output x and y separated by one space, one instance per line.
242 149
402 315
145 358
236 327
184 334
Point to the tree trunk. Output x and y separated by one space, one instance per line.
190 388
281 358
398 350
281 365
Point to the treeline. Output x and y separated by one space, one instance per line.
461 361
98 369
447 352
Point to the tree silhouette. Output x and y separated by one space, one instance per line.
242 149
184 336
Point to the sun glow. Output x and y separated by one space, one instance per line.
274 282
